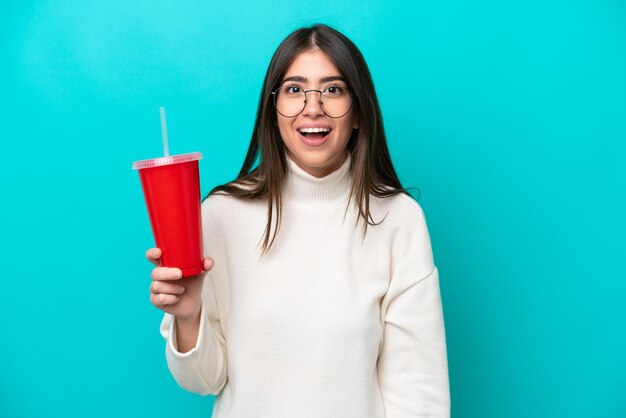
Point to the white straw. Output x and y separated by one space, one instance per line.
166 148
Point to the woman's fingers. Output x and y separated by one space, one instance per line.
168 286
154 255
163 299
166 273
158 286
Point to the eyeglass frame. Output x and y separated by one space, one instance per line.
352 96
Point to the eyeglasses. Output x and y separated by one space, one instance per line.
290 100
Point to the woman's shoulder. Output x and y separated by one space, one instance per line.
226 205
401 208
215 201
400 217
219 202
409 232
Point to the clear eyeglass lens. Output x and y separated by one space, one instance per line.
290 101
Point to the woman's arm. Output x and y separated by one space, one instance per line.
196 352
412 365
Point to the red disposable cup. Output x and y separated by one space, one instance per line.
171 187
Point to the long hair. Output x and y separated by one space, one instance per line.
371 167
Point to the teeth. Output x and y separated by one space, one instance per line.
314 130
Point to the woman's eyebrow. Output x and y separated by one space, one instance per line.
301 79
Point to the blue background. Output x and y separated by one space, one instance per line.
509 116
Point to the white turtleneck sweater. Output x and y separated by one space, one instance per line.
327 324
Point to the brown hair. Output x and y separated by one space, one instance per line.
371 167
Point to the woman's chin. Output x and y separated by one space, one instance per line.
318 165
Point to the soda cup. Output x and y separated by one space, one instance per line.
171 188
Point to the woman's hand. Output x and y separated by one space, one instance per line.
174 294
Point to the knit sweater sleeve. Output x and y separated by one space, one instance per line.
203 369
412 365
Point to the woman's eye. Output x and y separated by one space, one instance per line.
335 90
293 89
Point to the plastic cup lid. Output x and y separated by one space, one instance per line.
172 159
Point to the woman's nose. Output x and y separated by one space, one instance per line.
313 103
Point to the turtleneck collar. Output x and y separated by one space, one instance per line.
302 187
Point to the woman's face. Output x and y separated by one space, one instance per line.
316 154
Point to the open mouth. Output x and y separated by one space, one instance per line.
315 134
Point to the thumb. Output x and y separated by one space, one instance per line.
208 264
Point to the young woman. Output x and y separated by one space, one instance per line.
321 297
